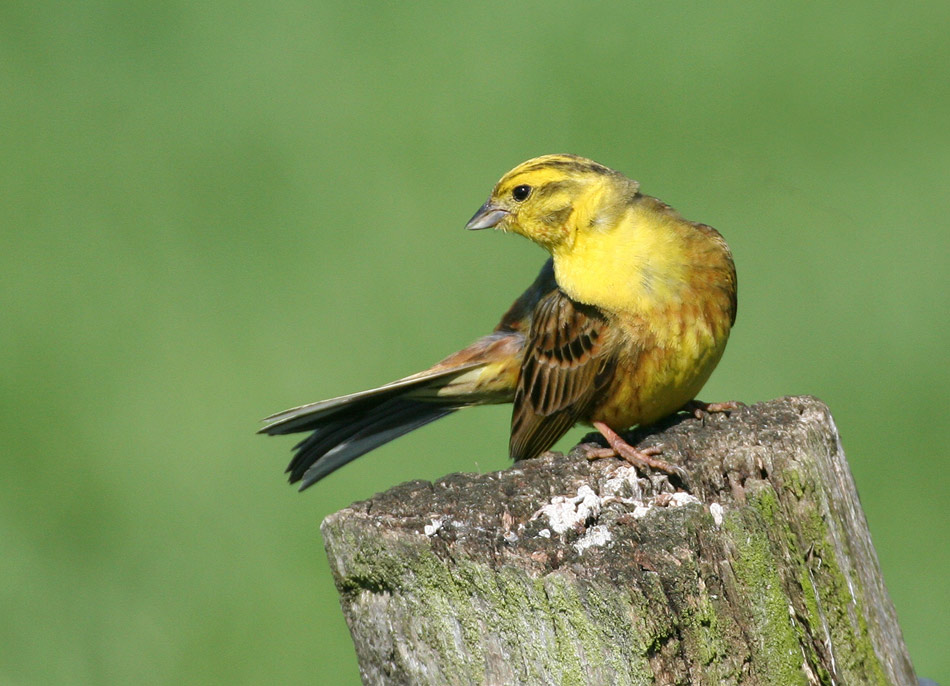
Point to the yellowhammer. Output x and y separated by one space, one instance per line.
623 326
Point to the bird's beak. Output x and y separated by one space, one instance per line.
488 216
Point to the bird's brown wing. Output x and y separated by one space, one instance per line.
564 369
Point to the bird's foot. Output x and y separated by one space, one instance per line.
699 409
638 458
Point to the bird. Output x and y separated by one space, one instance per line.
622 326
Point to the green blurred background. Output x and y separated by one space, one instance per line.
214 211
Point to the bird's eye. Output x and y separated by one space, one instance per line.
521 192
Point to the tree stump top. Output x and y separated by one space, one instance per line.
758 570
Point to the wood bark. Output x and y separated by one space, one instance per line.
758 569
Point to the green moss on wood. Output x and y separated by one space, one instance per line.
777 656
830 606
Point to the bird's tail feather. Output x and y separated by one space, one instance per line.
351 425
345 437
316 415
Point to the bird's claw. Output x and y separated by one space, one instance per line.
641 458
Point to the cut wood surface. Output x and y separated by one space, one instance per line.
559 570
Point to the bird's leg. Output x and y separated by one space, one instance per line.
638 458
698 408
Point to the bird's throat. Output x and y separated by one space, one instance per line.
631 269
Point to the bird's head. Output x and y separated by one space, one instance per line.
549 199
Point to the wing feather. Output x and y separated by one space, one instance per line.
564 369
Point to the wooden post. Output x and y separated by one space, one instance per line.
759 570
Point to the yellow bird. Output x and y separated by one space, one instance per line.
623 326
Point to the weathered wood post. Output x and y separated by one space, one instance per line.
564 571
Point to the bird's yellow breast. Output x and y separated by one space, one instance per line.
637 265
660 280
654 381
